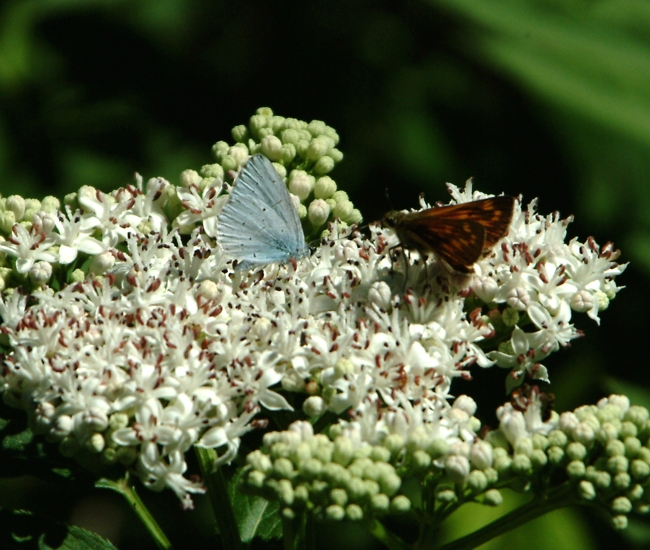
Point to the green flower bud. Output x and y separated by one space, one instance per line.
339 496
400 505
40 273
389 482
640 469
615 447
617 464
644 454
50 204
290 136
380 503
363 468
276 123
576 469
101 263
632 446
77 276
220 150
584 433
521 464
538 459
302 145
316 127
287 153
510 317
502 464
555 455
356 489
109 456
608 431
283 468
586 490
379 454
319 147
16 204
353 512
272 147
446 496
601 479
356 217
342 210
337 156
301 494
314 406
311 469
619 522
191 177
240 134
344 367
628 429
301 183
638 415
477 481
457 468
95 444
288 514
295 124
336 474
264 132
621 505
300 453
260 461
324 165
420 461
493 497
256 479
256 123
371 487
229 163
603 300
334 512
576 451
524 446
635 493
481 456
7 221
324 188
622 481
284 491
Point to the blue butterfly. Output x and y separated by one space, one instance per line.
259 224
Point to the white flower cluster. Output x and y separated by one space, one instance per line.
163 346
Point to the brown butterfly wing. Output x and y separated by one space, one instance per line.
494 214
460 242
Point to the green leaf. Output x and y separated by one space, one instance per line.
22 529
256 516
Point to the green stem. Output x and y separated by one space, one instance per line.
555 499
124 488
219 499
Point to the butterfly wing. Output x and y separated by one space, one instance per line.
494 214
460 242
259 224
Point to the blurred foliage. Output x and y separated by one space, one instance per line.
547 98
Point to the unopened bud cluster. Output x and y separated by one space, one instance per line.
601 450
304 153
333 479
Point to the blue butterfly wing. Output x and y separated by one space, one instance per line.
259 224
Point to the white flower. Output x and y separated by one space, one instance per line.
187 352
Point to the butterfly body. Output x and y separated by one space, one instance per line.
460 234
259 224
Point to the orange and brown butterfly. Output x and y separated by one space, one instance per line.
460 234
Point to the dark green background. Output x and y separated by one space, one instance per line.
550 99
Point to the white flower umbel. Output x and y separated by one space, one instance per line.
170 348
